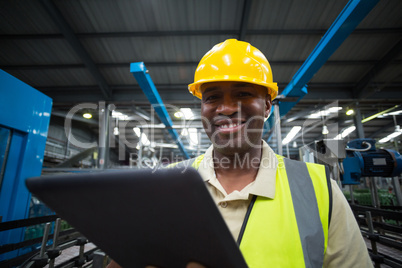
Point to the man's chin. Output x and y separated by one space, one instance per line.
234 146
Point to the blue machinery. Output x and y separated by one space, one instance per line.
354 160
364 160
24 123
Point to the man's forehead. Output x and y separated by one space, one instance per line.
220 85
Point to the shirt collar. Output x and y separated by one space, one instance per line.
264 184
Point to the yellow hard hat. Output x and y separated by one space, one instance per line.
234 60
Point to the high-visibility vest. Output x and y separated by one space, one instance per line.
290 230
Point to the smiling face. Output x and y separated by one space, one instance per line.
233 115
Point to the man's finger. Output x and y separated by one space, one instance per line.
194 265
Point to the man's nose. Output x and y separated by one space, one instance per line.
228 106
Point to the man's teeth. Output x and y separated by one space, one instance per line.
229 125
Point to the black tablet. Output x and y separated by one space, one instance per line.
164 218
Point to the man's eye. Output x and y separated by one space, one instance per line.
244 94
212 97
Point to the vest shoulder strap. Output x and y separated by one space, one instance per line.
301 165
297 218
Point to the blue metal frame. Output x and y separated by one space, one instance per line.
140 73
352 14
26 112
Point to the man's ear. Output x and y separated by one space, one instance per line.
268 105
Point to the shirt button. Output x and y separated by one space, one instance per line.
224 204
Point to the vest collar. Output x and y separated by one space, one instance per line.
264 184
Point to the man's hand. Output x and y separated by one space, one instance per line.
113 264
189 265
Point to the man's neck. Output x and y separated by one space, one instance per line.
236 171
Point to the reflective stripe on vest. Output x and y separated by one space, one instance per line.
287 231
290 230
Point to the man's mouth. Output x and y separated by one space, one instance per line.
226 128
229 125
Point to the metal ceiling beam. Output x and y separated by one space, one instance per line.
244 19
99 65
140 73
353 13
129 95
322 86
320 32
69 34
177 64
365 82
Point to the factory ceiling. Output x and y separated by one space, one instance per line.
79 52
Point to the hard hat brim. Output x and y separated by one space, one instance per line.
194 88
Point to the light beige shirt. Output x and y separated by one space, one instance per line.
346 247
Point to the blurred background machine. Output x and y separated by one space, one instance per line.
370 179
364 160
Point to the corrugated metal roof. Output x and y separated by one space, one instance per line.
153 15
38 52
290 14
25 17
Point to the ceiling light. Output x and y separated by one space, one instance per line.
137 131
334 109
144 140
119 115
291 135
395 113
395 134
184 132
178 114
325 112
392 113
325 130
87 115
187 113
345 133
350 112
116 131
294 144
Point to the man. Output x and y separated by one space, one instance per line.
283 213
